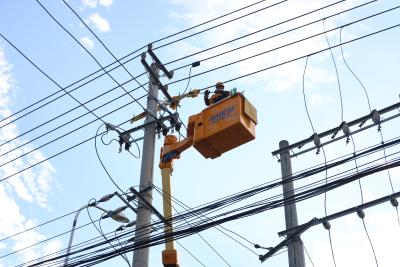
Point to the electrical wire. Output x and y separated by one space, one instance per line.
102 42
369 106
326 214
101 162
210 58
308 255
179 59
304 96
88 52
63 135
325 161
119 62
179 203
187 209
337 73
268 28
47 76
370 242
184 232
39 225
352 72
201 237
130 54
388 174
101 231
64 124
230 80
42 241
355 176
221 24
362 202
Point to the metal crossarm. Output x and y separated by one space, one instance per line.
299 230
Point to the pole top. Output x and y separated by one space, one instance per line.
283 144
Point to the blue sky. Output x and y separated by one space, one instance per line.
69 181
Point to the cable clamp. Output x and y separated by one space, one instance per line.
394 202
326 225
360 214
346 131
317 142
376 118
110 126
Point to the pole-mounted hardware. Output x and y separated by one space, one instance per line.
154 76
169 74
356 209
290 238
148 205
375 116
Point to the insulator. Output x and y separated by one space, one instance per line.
394 202
317 140
376 117
106 197
345 128
361 214
327 225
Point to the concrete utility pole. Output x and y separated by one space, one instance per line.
141 256
295 248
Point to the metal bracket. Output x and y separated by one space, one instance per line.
169 74
156 80
374 116
290 238
148 205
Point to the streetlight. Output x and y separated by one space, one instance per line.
116 215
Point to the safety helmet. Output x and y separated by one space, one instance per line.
219 85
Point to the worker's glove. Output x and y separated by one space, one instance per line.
207 92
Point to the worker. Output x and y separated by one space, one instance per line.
218 95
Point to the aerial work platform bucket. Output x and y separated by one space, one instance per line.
223 126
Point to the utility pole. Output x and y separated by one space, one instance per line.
141 256
295 248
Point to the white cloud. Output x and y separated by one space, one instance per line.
90 3
52 246
94 3
106 3
29 187
279 79
99 22
320 100
87 42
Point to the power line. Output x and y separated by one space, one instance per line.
179 202
300 196
187 209
227 81
46 75
214 47
91 55
167 63
218 25
157 239
291 43
66 123
267 28
63 135
128 55
225 65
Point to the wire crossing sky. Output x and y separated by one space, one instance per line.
70 68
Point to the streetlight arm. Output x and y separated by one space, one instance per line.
71 237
